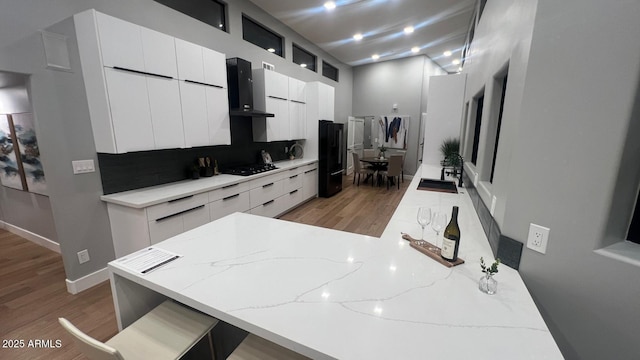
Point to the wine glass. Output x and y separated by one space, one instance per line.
438 223
424 218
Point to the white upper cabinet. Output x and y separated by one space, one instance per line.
215 69
130 112
297 90
297 120
189 58
166 112
218 116
194 114
327 102
159 53
276 85
120 43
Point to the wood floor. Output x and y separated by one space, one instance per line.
33 292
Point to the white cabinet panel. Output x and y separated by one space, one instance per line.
228 205
120 43
166 112
276 85
297 120
196 217
189 58
215 67
297 90
229 190
269 209
218 116
309 183
159 53
163 229
277 127
194 114
291 183
327 102
266 193
130 114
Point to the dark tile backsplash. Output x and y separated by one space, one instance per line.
135 170
507 249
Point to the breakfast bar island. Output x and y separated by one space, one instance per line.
329 294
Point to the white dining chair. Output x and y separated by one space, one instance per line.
256 348
167 332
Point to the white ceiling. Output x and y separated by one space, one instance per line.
439 25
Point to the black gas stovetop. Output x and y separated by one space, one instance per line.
247 170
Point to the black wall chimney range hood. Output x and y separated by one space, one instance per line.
240 85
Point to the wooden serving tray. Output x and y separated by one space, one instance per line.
434 254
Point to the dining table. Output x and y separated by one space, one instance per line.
377 164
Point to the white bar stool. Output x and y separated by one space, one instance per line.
166 332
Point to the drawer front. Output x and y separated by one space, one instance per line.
259 182
292 182
225 206
291 199
228 190
266 192
175 206
270 208
308 167
196 217
165 228
293 171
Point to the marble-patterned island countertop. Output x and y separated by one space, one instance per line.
330 294
153 195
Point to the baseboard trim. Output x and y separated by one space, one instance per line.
33 237
87 281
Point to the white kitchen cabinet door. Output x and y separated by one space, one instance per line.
159 53
196 217
228 205
297 120
130 114
194 114
327 100
163 229
309 184
277 127
276 85
218 116
120 43
297 90
189 58
166 112
215 68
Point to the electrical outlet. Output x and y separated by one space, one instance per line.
83 256
538 238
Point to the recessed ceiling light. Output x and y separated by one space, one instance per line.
459 68
358 36
415 49
303 65
447 53
455 62
271 50
408 30
375 56
330 5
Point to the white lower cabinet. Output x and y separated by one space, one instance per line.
270 195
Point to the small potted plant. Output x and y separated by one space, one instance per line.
382 149
488 284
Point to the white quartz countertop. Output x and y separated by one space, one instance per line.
148 196
330 294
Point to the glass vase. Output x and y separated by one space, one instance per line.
488 284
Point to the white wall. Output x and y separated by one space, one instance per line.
377 86
568 158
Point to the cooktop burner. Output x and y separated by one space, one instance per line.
249 169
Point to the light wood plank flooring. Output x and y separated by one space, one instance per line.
33 292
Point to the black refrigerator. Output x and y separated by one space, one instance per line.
331 158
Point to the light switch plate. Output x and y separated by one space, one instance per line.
83 166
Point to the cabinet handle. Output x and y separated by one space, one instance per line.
298 102
266 186
268 203
276 97
295 168
230 186
179 213
293 192
230 197
293 177
337 172
308 171
180 199
205 84
142 72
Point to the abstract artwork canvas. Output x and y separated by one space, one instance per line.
25 133
9 169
